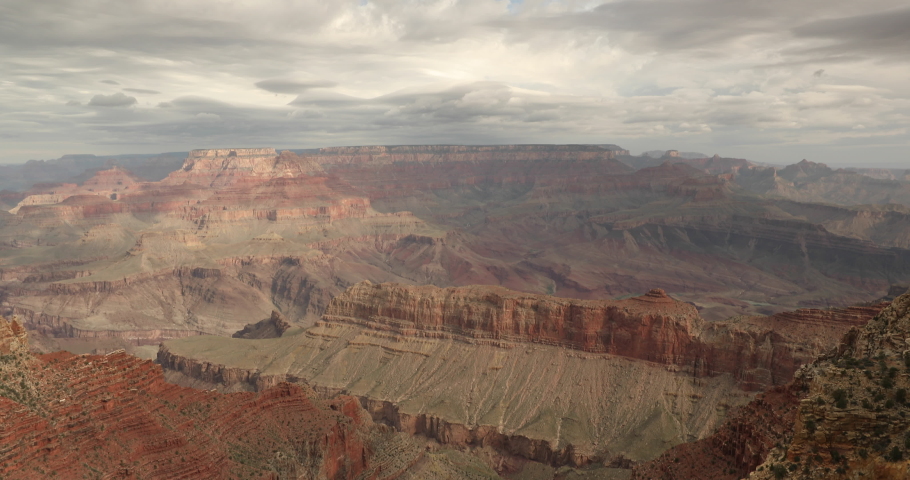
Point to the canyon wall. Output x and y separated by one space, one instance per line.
653 327
549 379
567 220
843 416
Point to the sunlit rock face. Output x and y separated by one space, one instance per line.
118 416
555 380
111 260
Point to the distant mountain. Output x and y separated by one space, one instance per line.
78 168
818 183
663 153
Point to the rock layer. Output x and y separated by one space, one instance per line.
843 416
549 379
119 418
287 232
759 352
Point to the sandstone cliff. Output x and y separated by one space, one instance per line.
549 379
758 352
222 167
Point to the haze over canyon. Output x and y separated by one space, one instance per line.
455 239
504 311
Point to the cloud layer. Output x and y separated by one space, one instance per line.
775 81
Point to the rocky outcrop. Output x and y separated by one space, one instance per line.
13 338
272 327
476 436
852 419
845 415
223 167
118 416
653 327
107 184
111 182
741 444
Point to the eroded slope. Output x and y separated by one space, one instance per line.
843 416
554 380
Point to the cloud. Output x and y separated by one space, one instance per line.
141 90
73 103
872 35
208 116
730 77
292 86
114 100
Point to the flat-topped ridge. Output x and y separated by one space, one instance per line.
232 152
441 149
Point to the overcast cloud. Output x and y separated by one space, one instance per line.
773 81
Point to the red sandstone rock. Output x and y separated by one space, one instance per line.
115 416
223 167
652 327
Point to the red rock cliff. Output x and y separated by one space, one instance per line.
652 327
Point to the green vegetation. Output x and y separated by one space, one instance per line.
811 426
779 471
840 398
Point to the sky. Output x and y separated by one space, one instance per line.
769 80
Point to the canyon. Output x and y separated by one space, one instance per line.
512 311
552 380
115 416
116 261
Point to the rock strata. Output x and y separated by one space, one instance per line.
237 233
120 419
548 379
845 415
759 352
